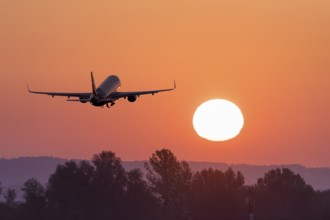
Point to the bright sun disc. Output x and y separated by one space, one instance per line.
218 120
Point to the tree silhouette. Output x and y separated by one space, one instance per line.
282 194
34 194
109 185
170 181
139 202
10 210
103 190
217 195
322 205
10 197
69 191
35 200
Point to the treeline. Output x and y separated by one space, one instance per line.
102 189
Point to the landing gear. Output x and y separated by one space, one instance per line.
111 104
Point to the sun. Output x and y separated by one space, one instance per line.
218 120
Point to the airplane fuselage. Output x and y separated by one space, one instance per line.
103 93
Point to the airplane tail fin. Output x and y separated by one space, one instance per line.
93 84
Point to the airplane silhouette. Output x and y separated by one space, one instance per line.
106 93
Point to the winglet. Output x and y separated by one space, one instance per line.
174 85
93 84
28 88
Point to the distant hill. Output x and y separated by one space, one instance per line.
14 172
18 170
318 178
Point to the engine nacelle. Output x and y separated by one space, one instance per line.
82 100
131 98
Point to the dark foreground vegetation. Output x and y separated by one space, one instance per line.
103 189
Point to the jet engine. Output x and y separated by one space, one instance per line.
82 100
131 98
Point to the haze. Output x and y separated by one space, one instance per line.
268 57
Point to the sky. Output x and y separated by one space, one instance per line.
271 58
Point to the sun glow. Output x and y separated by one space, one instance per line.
218 120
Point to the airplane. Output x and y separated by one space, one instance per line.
106 93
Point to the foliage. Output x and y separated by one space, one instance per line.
139 202
281 194
169 190
170 181
10 198
109 184
34 194
35 199
218 195
68 190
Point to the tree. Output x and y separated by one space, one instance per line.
282 194
282 180
322 205
109 185
69 191
10 209
35 200
170 181
217 195
139 202
34 194
10 198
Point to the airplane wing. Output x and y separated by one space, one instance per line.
118 95
85 95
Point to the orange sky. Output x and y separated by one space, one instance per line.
269 57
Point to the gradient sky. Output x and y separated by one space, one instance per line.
271 58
